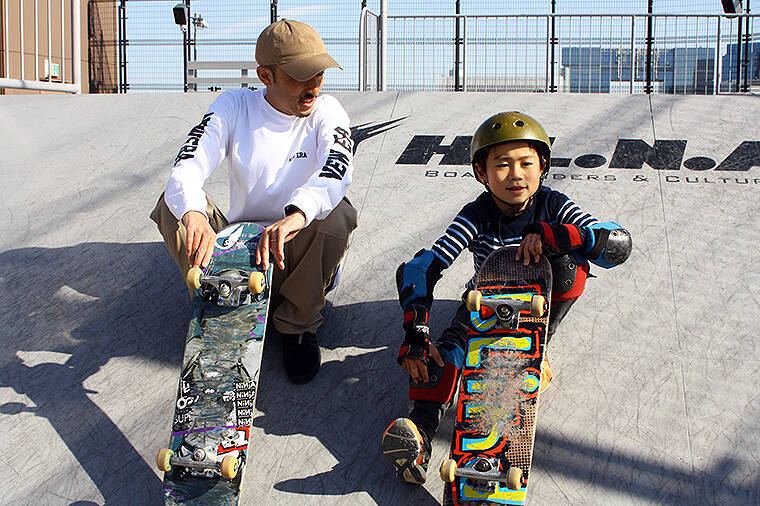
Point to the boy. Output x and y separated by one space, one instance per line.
510 154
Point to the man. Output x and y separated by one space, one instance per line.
290 155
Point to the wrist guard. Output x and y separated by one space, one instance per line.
416 335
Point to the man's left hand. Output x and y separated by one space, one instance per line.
275 236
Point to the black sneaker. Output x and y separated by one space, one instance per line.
301 356
407 448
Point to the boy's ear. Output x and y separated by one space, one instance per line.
480 173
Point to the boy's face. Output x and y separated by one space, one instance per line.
513 172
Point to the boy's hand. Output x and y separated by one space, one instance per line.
417 348
417 366
531 247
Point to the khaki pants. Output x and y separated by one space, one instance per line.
312 259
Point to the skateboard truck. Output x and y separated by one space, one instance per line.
200 460
234 287
507 308
484 474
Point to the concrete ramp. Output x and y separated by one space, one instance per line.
654 398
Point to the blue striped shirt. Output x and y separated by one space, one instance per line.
482 228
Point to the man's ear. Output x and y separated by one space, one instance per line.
265 74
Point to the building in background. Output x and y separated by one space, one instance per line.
38 45
682 70
103 24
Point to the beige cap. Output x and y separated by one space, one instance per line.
295 47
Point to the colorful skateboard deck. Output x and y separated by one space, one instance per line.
492 442
208 449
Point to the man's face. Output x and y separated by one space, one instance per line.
513 172
295 98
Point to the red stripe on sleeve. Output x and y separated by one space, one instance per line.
549 235
575 235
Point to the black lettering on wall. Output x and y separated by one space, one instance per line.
421 149
633 153
744 157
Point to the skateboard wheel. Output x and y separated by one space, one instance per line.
473 300
256 282
193 278
229 467
163 460
448 468
537 305
514 478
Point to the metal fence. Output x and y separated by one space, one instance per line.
225 31
474 45
572 53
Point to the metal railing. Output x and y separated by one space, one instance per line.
48 75
369 50
244 80
576 53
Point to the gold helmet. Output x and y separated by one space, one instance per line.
511 126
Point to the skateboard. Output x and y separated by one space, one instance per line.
492 441
208 448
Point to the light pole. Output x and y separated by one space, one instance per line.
181 13
198 22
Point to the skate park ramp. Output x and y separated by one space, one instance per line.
654 398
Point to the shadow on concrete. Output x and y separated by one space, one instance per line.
641 479
65 313
353 400
360 389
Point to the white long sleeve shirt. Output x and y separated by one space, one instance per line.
276 160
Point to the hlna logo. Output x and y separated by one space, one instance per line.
628 154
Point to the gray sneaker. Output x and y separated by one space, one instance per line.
407 448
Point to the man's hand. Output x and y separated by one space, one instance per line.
275 236
417 368
200 238
531 247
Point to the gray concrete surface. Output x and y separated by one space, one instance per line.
655 397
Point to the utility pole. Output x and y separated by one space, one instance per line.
457 47
650 22
553 45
